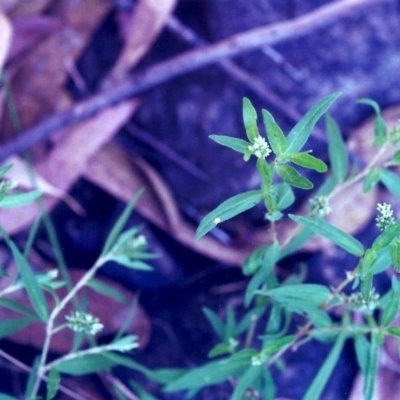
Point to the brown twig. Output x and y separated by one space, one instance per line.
188 62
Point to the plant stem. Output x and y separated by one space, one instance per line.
42 368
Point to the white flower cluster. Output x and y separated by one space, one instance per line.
260 148
319 205
84 322
385 217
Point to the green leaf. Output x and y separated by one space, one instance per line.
228 209
235 144
107 290
299 135
382 261
371 103
213 373
325 371
338 155
394 331
336 235
367 262
391 180
5 169
14 305
4 396
215 322
12 325
362 348
275 135
128 262
297 242
390 311
86 364
395 254
386 237
266 171
396 157
53 382
306 160
267 258
371 180
32 286
292 177
20 199
250 120
284 196
372 366
380 131
119 225
246 380
308 292
366 286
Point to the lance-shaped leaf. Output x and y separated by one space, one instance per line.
390 180
338 155
306 160
119 225
386 237
20 199
299 135
336 235
275 135
235 144
250 120
380 130
395 255
392 307
33 289
228 209
371 180
306 292
292 177
266 172
5 169
372 365
325 371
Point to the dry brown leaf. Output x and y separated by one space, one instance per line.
5 38
65 163
20 173
361 138
21 8
112 314
139 31
38 84
112 170
29 31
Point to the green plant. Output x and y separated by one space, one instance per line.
246 360
128 248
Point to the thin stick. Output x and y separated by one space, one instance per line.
188 62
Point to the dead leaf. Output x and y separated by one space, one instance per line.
5 38
139 31
38 85
66 162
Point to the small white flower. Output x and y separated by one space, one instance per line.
385 217
260 148
217 220
319 205
84 322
